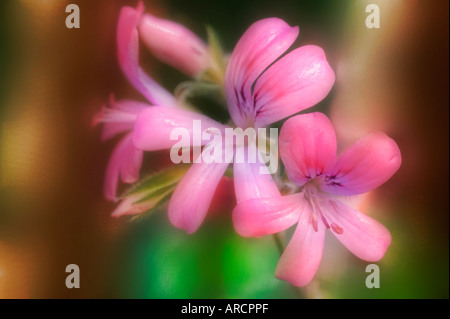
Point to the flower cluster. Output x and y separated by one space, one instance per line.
262 84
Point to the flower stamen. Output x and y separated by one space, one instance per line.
336 228
314 223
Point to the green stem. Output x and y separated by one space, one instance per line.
279 242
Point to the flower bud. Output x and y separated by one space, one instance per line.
174 44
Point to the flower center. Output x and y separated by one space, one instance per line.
322 208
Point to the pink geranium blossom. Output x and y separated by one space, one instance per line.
261 91
126 160
308 150
297 81
119 117
148 125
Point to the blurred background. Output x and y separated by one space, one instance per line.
52 212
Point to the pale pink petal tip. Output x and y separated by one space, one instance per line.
129 206
301 258
365 237
193 195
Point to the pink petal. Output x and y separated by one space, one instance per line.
154 126
262 43
367 164
128 53
174 44
301 258
110 130
259 217
307 147
366 238
253 180
118 117
125 161
297 81
193 195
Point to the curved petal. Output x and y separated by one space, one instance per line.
155 125
366 238
262 43
253 180
297 81
126 162
367 164
110 130
174 44
259 217
307 147
128 53
118 117
193 195
301 258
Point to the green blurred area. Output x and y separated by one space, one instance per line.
158 261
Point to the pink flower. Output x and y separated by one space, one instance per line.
308 150
173 44
126 160
261 91
119 117
193 195
128 54
154 123
297 81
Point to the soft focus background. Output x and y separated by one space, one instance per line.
52 212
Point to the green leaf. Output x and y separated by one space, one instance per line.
155 189
156 182
153 201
